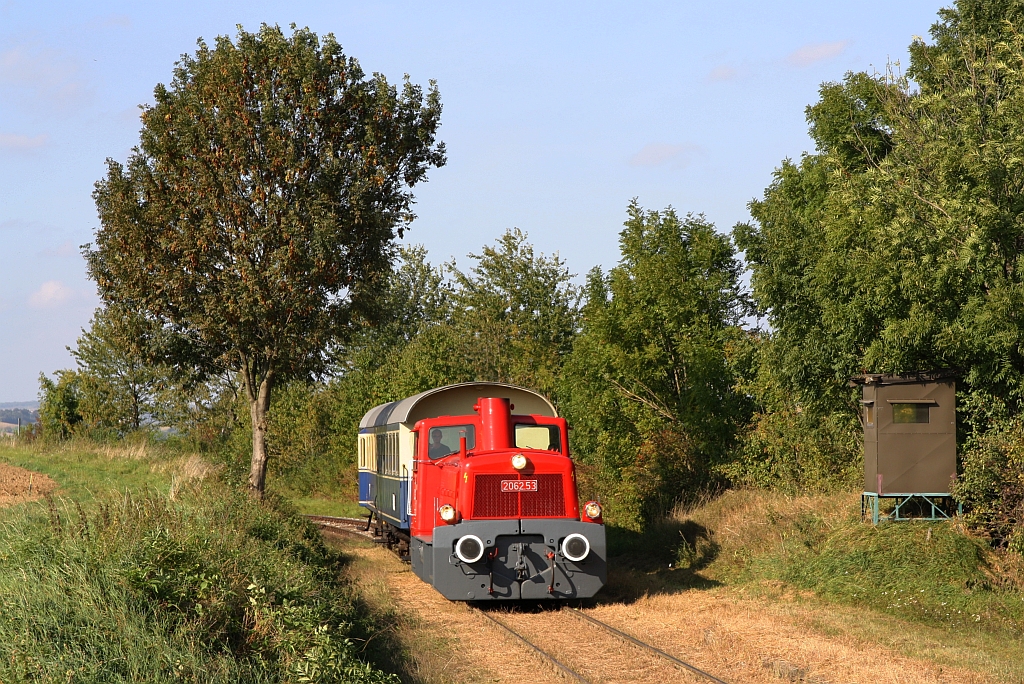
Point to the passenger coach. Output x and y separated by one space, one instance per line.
474 484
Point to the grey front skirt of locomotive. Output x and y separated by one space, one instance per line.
516 562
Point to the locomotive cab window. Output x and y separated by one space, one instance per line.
543 437
910 413
444 441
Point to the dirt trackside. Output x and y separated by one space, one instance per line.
738 638
18 485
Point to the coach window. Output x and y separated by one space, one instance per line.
544 437
444 441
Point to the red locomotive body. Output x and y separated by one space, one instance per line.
492 509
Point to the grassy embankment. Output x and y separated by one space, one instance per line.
147 568
926 589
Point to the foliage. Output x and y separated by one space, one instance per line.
786 447
648 387
509 318
990 483
896 247
209 588
521 311
119 382
256 217
59 414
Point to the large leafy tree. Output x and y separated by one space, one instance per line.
649 387
897 246
257 215
521 311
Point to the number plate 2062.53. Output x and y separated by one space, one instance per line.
518 485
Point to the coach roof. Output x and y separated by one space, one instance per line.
456 400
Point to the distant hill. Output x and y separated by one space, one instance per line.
11 415
30 405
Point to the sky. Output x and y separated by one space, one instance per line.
555 116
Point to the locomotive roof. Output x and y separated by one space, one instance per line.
456 400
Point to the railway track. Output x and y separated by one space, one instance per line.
358 527
354 526
576 676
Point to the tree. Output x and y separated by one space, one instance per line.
118 380
897 246
648 387
519 312
58 404
255 219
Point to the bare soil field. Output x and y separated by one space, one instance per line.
18 485
737 637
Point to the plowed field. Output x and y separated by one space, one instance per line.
18 485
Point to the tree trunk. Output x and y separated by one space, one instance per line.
259 406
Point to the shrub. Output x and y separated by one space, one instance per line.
792 452
991 479
59 401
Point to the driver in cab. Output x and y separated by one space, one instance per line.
436 449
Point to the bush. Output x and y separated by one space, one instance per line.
209 588
991 480
59 401
789 451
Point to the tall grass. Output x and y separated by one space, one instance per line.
935 573
207 587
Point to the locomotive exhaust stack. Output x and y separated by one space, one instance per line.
475 483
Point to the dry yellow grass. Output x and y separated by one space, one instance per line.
741 638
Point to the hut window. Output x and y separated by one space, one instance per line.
910 413
869 414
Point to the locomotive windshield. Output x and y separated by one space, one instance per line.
444 441
545 437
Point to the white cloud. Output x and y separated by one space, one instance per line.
43 74
816 52
722 73
50 294
21 143
658 154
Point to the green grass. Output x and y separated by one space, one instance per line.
118 580
317 506
931 573
84 470
940 589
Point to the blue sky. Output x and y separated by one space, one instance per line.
555 116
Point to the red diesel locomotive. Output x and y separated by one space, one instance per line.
475 484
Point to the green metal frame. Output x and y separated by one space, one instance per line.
869 502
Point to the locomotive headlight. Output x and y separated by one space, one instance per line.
593 510
575 547
469 549
447 512
518 461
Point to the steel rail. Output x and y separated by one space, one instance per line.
543 654
675 661
338 525
335 519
